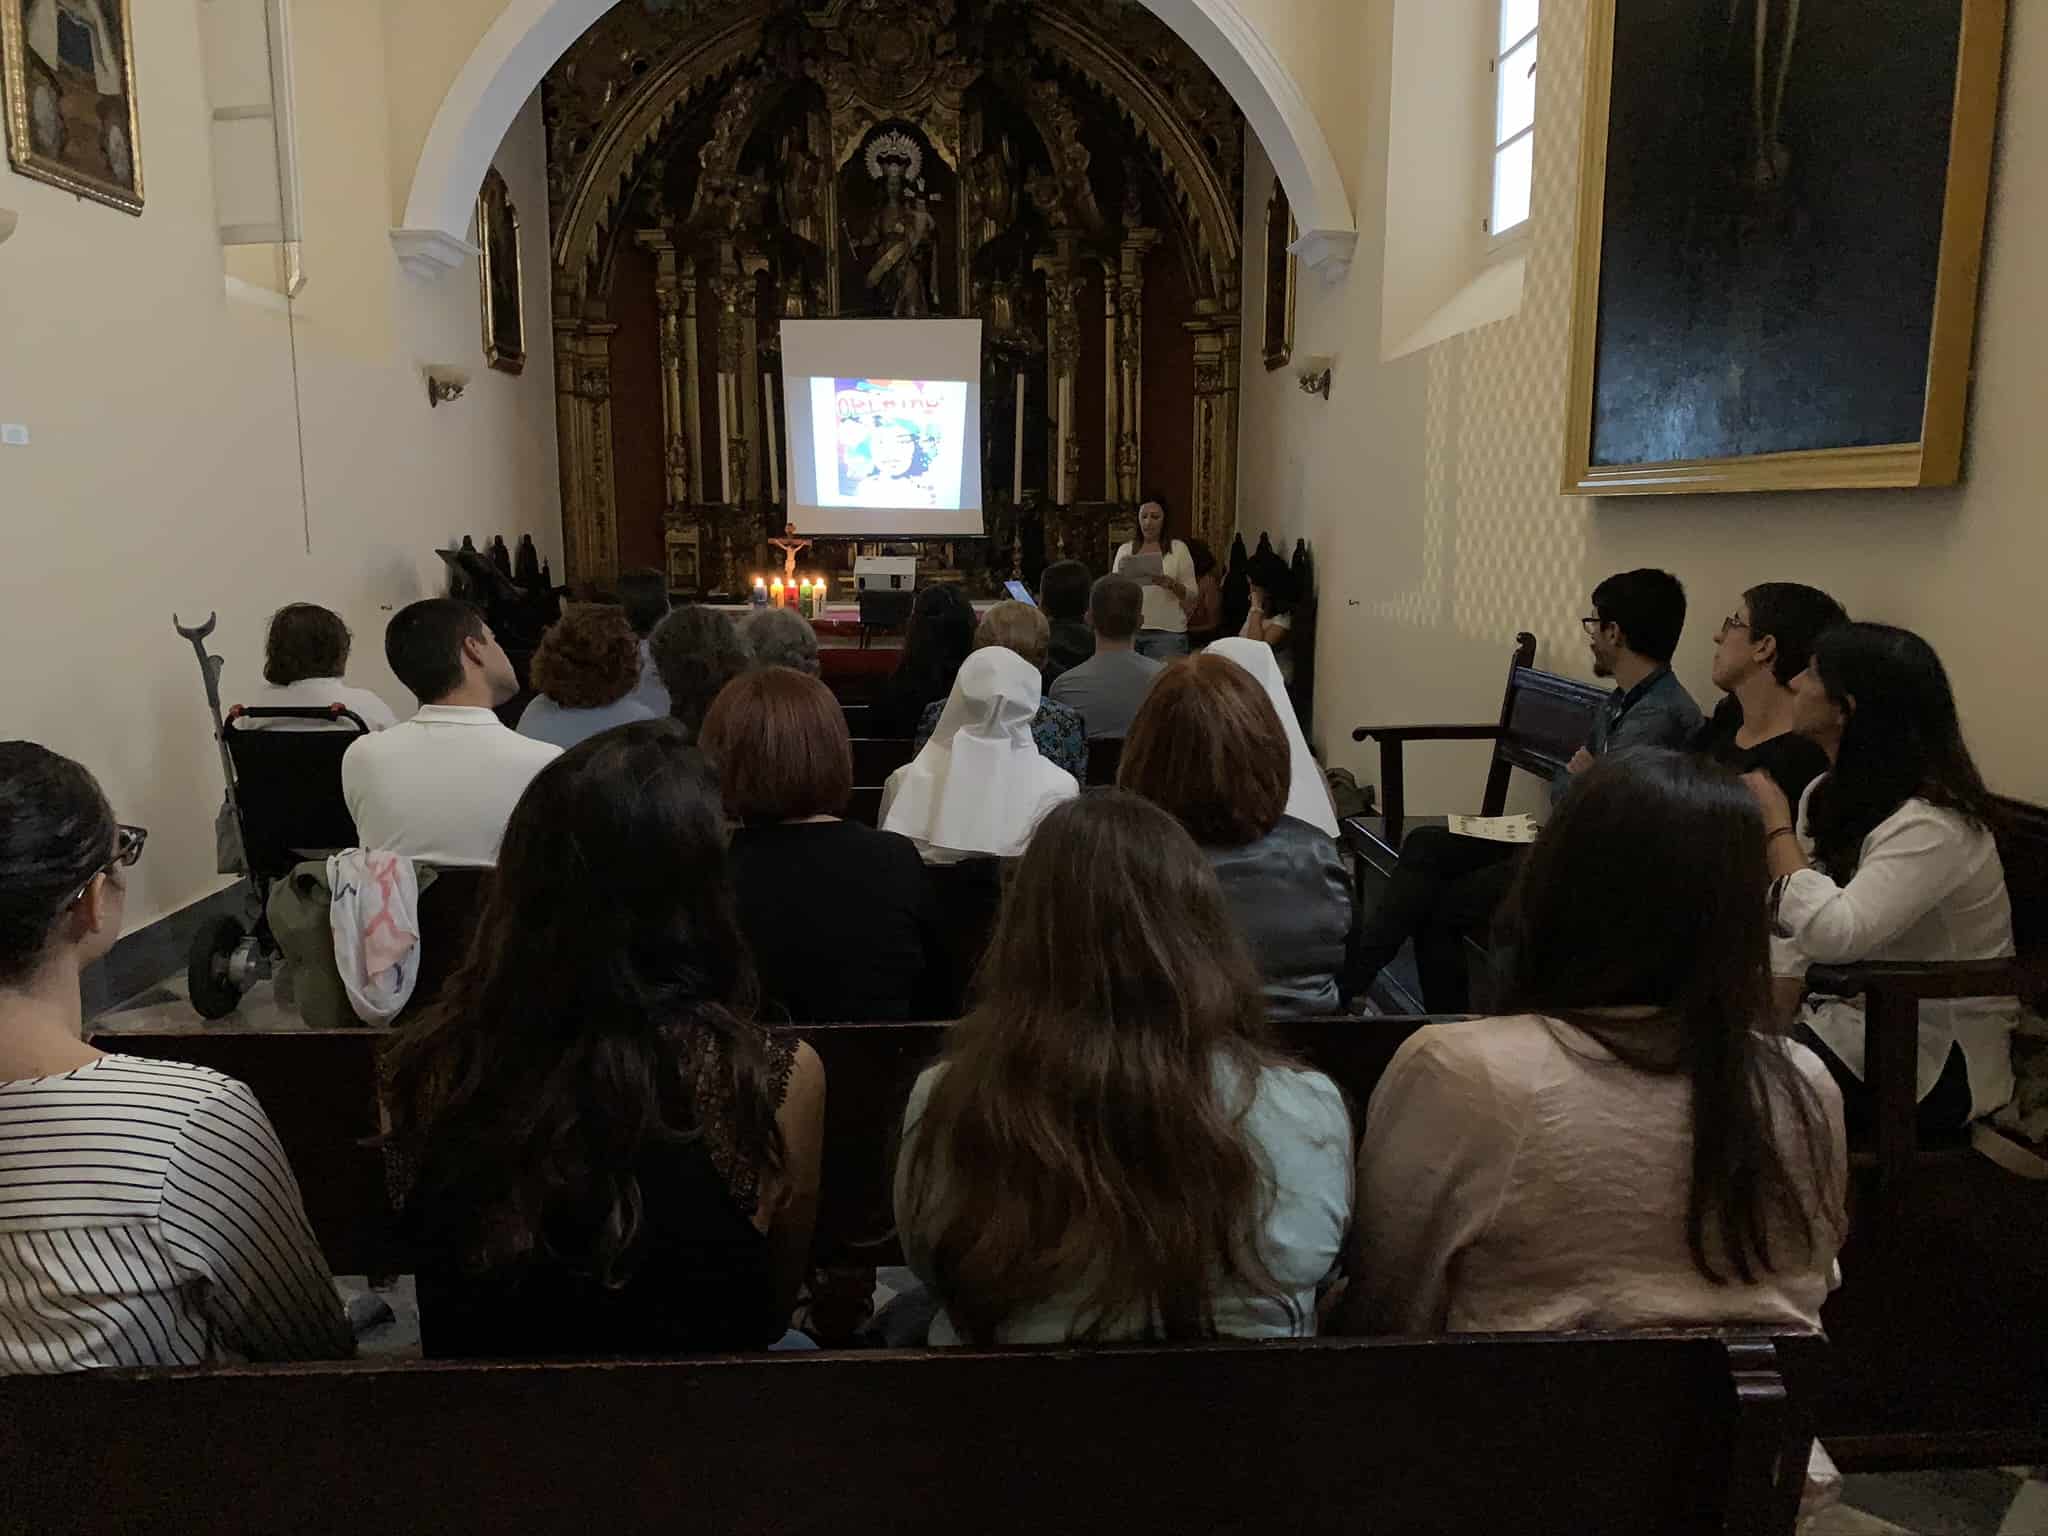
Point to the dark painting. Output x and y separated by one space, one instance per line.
67 71
1776 175
497 238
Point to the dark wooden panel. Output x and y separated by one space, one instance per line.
876 757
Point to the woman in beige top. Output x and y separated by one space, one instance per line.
1626 1151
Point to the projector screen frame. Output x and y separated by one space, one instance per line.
917 349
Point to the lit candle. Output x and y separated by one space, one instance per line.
775 591
803 597
1017 451
760 593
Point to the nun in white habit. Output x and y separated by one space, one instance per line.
979 786
1308 794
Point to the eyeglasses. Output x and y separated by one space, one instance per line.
1733 622
1592 624
128 843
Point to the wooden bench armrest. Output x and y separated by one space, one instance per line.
1922 979
1399 733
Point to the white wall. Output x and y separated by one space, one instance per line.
164 468
1428 485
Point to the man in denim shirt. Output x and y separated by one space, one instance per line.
1446 886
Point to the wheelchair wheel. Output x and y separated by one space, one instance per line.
215 993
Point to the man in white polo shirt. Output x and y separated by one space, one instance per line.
440 787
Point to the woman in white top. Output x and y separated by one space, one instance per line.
979 786
1171 594
1110 1149
304 656
1891 857
1627 1150
147 1214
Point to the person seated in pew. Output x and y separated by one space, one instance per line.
586 671
1063 592
610 1156
1446 888
979 785
839 916
439 788
1205 619
147 1214
697 651
1758 651
1271 618
940 636
781 637
1891 857
1209 748
304 656
1631 1146
1057 729
1107 689
1110 1147
643 593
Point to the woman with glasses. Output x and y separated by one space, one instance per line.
147 1214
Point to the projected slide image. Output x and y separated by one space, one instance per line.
889 442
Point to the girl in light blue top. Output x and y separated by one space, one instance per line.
1110 1149
586 669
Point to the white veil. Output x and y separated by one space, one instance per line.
1308 795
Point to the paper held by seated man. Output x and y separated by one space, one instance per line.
1496 829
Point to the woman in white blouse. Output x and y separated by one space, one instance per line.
1171 594
1891 857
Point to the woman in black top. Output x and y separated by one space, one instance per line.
839 916
940 636
1758 650
609 1156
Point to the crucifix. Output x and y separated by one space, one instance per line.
791 546
1770 160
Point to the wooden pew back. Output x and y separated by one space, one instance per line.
1683 1435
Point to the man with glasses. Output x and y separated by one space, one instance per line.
1447 887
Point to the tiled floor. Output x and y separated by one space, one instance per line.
1966 1503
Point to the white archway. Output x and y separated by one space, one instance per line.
523 44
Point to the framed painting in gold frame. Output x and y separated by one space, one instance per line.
1278 345
497 238
1781 230
67 76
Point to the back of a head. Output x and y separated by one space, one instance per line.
305 641
1063 590
1208 747
1017 627
423 643
1202 555
1649 605
697 651
1645 891
56 833
589 659
1274 577
1795 616
780 742
941 634
1116 608
781 637
1903 738
643 593
609 940
1082 1138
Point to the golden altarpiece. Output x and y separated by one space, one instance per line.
1065 170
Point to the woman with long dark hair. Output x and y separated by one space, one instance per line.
941 634
147 1213
1627 1149
611 1157
1891 857
1170 589
1110 1149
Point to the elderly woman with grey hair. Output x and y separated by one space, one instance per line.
781 637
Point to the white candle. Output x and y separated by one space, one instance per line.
774 441
1017 451
1066 402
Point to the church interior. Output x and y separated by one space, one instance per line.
561 370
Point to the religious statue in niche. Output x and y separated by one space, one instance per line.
902 229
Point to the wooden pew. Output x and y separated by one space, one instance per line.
1544 720
1105 757
876 757
1578 1435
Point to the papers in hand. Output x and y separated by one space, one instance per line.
1141 566
1496 829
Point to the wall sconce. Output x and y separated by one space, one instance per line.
1314 376
445 382
8 219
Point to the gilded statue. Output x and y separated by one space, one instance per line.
902 229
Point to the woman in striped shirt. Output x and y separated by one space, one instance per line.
147 1214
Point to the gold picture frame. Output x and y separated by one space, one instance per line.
58 59
1280 281
498 271
1952 199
